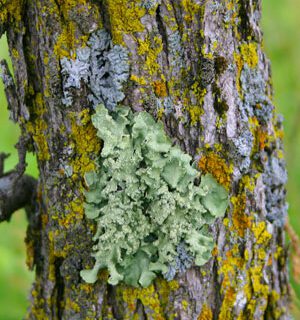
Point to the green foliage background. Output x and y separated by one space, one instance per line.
281 25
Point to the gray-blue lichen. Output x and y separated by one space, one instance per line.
151 215
149 4
183 261
7 79
256 102
275 179
176 52
101 66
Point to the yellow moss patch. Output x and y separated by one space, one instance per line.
217 166
11 9
38 128
139 80
37 310
160 113
72 305
195 111
256 292
151 48
29 254
125 17
86 146
68 41
248 183
184 304
153 298
227 304
191 8
15 53
195 114
206 313
85 142
247 54
73 213
164 288
239 64
87 287
229 267
149 298
260 232
70 37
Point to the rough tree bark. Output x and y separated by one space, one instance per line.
197 65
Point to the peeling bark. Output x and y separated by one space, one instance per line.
199 67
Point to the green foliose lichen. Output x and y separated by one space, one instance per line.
146 202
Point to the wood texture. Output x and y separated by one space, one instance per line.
199 67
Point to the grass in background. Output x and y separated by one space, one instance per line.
281 25
15 279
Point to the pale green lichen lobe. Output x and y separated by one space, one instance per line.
146 203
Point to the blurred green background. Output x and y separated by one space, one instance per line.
281 26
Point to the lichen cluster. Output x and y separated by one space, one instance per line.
101 66
152 216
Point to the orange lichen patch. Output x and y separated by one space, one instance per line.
240 220
227 304
217 166
125 17
160 89
262 139
206 313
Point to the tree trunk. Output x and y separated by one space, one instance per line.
199 67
